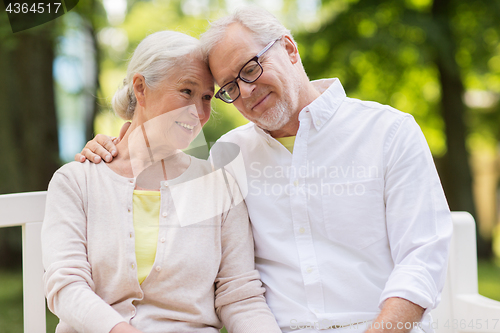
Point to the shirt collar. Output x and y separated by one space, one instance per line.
325 106
263 133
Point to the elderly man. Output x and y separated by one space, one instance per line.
350 222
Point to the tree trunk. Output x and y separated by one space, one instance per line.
455 172
90 117
28 127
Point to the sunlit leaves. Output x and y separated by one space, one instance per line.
419 5
385 51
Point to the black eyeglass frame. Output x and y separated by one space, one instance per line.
256 59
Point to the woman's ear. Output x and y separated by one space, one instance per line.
291 49
139 84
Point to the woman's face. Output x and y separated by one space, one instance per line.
175 111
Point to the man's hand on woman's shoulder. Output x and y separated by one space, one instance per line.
102 147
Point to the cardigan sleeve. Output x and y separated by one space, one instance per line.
239 295
68 277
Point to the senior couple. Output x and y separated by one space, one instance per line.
349 221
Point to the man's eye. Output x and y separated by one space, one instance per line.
207 97
186 91
250 69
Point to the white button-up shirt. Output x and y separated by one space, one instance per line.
354 216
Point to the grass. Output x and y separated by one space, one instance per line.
11 304
489 279
11 296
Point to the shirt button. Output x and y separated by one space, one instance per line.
131 235
302 230
318 122
158 268
296 183
309 270
133 265
164 214
162 240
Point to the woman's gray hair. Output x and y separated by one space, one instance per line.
154 58
263 25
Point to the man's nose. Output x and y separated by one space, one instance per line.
246 89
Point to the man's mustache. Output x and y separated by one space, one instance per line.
249 103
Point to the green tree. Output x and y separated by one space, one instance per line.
28 130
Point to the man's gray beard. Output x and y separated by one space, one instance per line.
276 118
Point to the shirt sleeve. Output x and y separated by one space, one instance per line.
239 298
418 219
68 278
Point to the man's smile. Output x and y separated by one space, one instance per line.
260 101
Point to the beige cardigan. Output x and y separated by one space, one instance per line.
204 265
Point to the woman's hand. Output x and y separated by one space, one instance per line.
101 147
124 327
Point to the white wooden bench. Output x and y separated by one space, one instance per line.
461 310
26 210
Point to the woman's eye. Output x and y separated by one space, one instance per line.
207 97
186 91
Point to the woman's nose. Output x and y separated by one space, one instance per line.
196 111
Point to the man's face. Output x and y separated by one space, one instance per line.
270 101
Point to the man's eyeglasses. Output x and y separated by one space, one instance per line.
249 73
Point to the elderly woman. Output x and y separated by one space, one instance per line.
156 241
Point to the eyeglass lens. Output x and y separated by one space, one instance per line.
249 74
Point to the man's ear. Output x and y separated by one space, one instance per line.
139 84
291 49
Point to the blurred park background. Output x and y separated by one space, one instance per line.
436 59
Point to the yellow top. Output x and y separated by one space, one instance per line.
146 226
288 142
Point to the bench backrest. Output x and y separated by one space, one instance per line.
462 309
27 210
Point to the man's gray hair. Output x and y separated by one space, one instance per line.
263 25
154 58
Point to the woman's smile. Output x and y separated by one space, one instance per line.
185 126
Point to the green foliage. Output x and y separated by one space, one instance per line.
489 279
11 290
385 51
224 118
